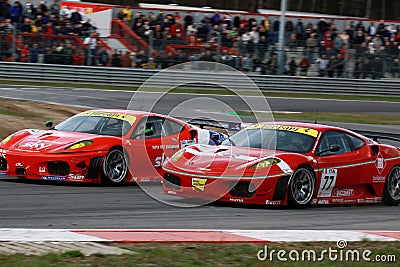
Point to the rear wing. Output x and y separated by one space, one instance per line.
378 135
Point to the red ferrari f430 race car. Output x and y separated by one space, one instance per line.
288 163
100 146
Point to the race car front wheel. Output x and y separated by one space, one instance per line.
115 167
301 187
391 193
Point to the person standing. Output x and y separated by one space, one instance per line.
323 64
91 42
311 44
304 65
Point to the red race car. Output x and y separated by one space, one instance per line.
289 163
100 146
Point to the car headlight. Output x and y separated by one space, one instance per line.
266 163
80 144
8 138
177 155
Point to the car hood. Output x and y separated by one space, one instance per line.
47 141
227 160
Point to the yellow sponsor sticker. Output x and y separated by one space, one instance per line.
199 183
129 118
307 131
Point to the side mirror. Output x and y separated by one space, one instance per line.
49 124
332 148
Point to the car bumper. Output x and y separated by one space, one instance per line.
246 190
68 167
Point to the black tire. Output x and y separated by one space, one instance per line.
115 167
391 192
301 188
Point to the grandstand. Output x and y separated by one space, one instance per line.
159 36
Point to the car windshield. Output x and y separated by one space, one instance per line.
289 141
95 125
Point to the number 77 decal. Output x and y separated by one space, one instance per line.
328 181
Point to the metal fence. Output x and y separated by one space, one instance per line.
134 77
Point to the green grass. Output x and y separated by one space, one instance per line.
18 111
203 254
206 91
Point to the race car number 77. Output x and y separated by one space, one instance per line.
328 181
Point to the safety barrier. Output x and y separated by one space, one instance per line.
133 78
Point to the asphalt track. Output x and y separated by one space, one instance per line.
52 205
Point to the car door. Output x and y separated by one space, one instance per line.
145 146
174 135
340 171
153 140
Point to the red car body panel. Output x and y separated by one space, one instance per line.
223 173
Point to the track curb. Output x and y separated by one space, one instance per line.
191 235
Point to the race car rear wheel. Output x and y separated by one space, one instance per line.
115 167
301 187
391 192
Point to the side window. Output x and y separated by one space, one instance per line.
330 138
170 127
357 142
148 127
112 127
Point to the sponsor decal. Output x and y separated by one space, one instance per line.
134 179
54 178
165 147
158 162
307 131
380 163
323 202
349 201
378 198
236 200
185 143
203 169
145 179
42 169
370 200
76 177
38 145
378 179
19 164
313 202
328 181
199 183
129 118
284 166
273 202
360 200
229 155
337 200
3 173
171 192
343 192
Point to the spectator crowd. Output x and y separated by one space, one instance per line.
363 49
